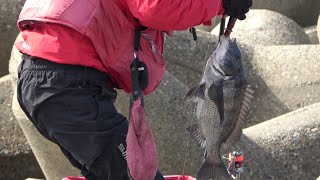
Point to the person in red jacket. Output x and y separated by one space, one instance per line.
76 52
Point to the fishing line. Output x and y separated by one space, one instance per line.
193 119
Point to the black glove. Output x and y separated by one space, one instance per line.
237 8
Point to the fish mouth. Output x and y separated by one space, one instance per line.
227 39
223 64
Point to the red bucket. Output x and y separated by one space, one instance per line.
171 177
179 177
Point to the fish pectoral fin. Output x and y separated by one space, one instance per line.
196 91
215 93
237 131
234 136
196 133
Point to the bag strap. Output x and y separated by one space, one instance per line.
136 41
136 91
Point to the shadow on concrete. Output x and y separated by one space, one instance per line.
271 163
19 167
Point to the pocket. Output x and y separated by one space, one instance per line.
107 115
151 53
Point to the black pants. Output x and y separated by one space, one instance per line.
72 106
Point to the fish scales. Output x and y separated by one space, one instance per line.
210 126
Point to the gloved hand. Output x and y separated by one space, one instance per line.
237 8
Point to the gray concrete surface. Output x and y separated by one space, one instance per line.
287 66
16 158
285 78
51 160
9 12
183 62
267 28
304 12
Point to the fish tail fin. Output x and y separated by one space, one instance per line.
213 171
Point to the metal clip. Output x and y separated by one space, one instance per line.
194 39
153 48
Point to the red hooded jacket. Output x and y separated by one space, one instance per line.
99 33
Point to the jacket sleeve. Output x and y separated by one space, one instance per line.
174 14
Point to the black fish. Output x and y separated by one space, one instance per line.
223 98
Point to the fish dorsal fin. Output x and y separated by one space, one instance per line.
195 132
197 91
237 131
215 93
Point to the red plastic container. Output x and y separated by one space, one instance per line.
171 177
179 177
74 178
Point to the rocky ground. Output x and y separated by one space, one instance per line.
9 12
16 158
281 51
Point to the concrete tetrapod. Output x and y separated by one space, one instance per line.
267 28
286 147
303 12
285 78
312 33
